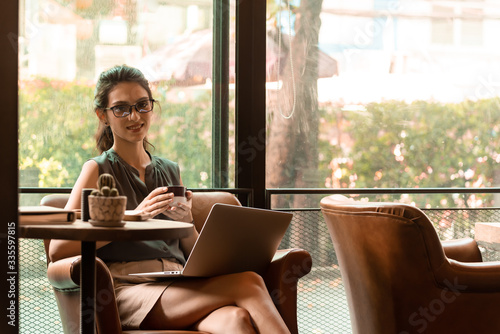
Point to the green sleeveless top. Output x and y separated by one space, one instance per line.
161 172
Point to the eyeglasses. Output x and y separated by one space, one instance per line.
123 110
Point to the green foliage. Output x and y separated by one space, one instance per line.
183 133
419 145
57 125
391 144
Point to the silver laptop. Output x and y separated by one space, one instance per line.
233 239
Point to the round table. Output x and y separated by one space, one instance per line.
153 229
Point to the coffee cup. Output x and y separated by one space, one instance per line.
179 194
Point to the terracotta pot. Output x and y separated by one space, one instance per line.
107 211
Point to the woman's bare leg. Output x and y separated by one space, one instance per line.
235 319
186 302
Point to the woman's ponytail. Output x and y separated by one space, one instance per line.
104 138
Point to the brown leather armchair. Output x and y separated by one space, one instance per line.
399 278
281 277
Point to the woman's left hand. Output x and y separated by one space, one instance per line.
181 212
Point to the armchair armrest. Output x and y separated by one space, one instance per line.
61 275
64 276
465 270
463 250
470 277
281 279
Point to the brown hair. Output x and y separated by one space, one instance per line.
106 82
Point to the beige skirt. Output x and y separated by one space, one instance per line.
136 296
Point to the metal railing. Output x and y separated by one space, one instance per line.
374 191
245 195
321 305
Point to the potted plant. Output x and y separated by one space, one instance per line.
106 206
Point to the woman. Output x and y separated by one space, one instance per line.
236 303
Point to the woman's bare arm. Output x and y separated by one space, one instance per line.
87 179
59 249
188 242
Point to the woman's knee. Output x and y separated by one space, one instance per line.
227 320
250 279
249 284
238 320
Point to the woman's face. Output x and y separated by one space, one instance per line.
134 127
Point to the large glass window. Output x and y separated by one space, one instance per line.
383 94
64 45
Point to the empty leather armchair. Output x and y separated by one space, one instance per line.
64 275
399 278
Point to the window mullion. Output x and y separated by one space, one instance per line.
220 96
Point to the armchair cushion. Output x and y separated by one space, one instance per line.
281 278
398 278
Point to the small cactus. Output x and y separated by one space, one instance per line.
106 185
95 192
106 180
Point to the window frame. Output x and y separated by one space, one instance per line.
9 137
250 108
220 94
251 98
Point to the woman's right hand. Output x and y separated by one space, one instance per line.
158 201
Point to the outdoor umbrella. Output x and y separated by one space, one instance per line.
188 60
